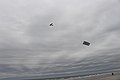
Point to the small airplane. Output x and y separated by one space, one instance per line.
86 43
51 24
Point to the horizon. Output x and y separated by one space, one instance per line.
28 45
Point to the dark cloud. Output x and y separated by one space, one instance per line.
29 45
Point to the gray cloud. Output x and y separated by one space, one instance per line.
28 44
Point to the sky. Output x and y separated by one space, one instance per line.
29 46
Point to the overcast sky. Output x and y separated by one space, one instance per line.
28 44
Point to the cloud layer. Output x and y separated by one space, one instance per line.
29 45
